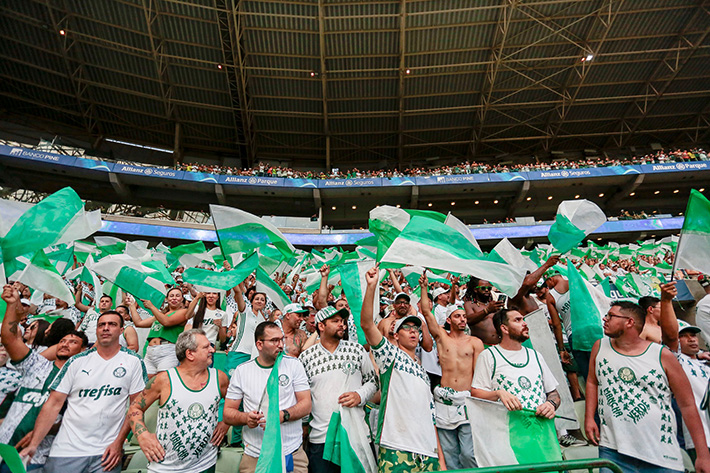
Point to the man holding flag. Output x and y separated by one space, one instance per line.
343 379
265 383
406 431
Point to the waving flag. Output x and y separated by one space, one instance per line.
273 291
386 222
133 277
41 275
574 221
587 307
432 244
224 280
346 442
241 232
694 245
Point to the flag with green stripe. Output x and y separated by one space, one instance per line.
225 280
574 221
511 437
273 291
347 444
41 275
127 273
694 244
587 307
271 458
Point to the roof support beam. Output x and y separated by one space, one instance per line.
324 84
414 198
495 60
69 48
659 80
524 188
402 73
234 59
151 14
119 186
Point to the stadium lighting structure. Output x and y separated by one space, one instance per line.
62 32
529 199
576 196
632 194
453 203
398 206
676 191
151 148
430 204
588 57
702 189
333 207
601 195
219 66
407 71
495 201
549 197
354 207
657 192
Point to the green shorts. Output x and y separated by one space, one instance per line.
397 461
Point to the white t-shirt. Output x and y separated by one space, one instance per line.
246 325
97 398
208 324
89 323
523 373
698 374
702 317
248 383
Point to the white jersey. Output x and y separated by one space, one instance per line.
186 422
89 323
635 406
522 373
248 383
698 373
702 317
407 416
563 304
209 326
97 398
246 326
347 369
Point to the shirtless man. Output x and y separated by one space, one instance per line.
294 314
402 308
480 308
523 301
652 328
457 354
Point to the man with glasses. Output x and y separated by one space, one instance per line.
248 385
293 316
457 354
406 433
631 387
480 307
340 373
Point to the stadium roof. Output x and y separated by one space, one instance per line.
312 83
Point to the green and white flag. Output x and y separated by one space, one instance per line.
56 219
129 274
510 437
41 275
110 245
189 255
241 232
511 255
271 459
587 307
273 291
432 244
352 277
61 256
346 442
574 221
694 244
225 280
386 222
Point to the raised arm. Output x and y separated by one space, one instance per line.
137 320
10 332
239 298
454 289
669 321
193 304
531 279
557 329
321 299
431 322
373 336
395 280
77 299
178 318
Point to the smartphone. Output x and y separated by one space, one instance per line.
503 298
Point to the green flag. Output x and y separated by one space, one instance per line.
694 245
587 307
574 221
271 459
224 280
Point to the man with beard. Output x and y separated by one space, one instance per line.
457 354
480 308
516 375
340 373
631 387
293 315
38 373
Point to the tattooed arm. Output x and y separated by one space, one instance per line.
158 388
10 333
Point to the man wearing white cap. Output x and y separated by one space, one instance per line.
457 354
441 297
293 315
406 433
340 374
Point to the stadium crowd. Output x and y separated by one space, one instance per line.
468 167
70 370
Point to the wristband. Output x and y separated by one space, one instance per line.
553 403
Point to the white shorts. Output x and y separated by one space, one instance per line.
160 358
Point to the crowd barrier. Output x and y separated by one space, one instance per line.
264 181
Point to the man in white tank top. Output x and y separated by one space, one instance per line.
631 386
188 434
